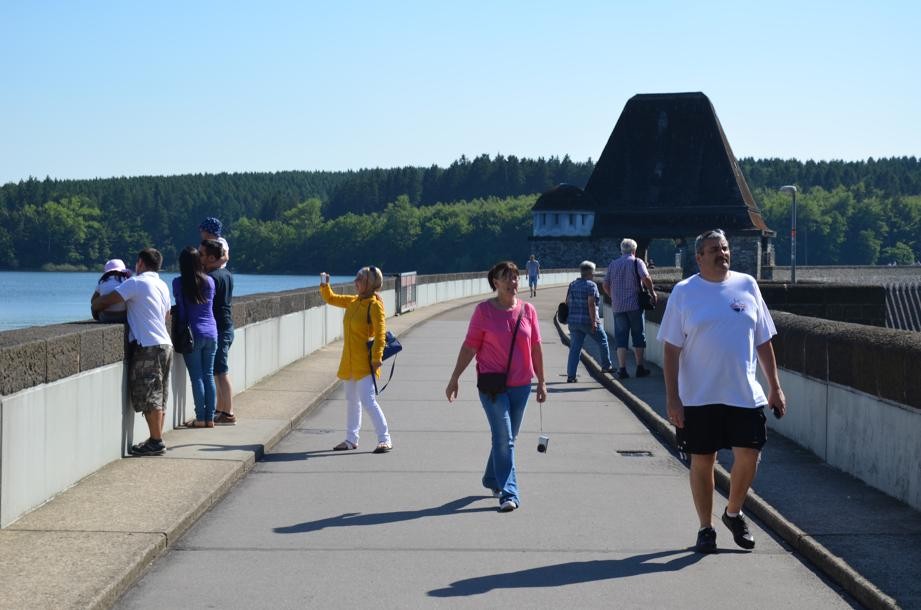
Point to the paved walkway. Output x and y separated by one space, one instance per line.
413 528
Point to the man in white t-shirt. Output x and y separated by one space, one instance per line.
715 327
151 351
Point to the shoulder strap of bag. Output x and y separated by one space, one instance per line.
393 364
636 270
508 365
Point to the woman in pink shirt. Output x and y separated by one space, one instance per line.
494 325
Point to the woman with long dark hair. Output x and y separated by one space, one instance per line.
194 293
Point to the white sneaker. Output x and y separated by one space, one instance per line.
508 506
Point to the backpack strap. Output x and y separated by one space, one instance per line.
393 364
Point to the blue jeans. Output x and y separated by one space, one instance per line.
504 415
200 363
629 323
577 334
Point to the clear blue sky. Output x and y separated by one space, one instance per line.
99 89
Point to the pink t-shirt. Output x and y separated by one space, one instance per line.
490 336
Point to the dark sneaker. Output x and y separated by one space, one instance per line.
706 541
642 371
740 532
571 380
148 447
622 373
608 369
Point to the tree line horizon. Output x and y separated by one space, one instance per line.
463 217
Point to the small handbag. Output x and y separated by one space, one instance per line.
496 383
562 310
392 347
642 295
181 334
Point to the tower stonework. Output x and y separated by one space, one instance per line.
667 172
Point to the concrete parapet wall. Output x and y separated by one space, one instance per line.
853 392
63 389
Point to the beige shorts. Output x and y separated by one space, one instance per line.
148 377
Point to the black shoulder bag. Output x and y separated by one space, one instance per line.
392 346
495 383
642 294
181 333
562 310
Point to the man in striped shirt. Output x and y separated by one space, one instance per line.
622 284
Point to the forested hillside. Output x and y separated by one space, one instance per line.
462 217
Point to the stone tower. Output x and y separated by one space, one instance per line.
667 172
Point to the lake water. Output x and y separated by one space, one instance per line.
34 298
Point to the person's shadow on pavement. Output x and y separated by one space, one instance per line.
571 573
352 519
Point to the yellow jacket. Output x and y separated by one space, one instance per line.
356 331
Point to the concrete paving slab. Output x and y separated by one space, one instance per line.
298 380
257 403
54 569
152 494
310 449
242 442
360 502
413 578
319 521
893 561
791 488
377 508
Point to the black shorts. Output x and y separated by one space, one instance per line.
709 428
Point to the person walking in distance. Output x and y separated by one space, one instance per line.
621 285
716 325
584 320
533 267
211 257
150 347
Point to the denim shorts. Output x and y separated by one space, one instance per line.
627 323
224 341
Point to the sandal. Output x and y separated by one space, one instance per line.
223 418
383 448
200 423
345 446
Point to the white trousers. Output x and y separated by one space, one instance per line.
360 393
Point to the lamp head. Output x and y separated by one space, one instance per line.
789 189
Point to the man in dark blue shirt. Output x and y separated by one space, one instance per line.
212 255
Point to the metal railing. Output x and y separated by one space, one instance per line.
405 288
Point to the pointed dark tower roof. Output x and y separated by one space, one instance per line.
668 171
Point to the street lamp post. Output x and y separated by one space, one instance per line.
792 191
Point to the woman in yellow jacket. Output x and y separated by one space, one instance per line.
355 368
